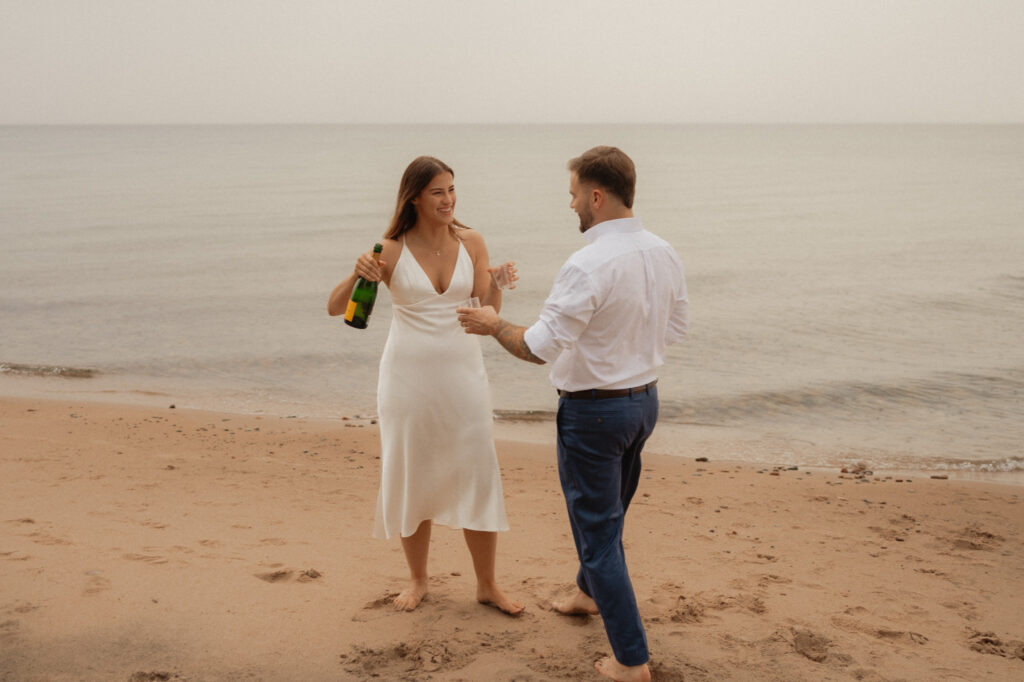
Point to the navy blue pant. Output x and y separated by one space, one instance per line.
599 444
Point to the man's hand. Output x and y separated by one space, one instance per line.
483 321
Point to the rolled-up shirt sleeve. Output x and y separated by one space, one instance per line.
679 319
565 314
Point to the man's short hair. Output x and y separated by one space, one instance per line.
610 169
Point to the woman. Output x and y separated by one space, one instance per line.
438 461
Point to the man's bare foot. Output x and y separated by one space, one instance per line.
578 604
491 595
614 670
409 598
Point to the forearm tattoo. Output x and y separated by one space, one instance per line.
511 339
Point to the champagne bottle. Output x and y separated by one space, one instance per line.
363 295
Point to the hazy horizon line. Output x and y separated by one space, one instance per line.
378 124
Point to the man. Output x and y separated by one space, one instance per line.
614 307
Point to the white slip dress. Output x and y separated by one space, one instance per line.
438 459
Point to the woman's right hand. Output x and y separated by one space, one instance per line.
367 267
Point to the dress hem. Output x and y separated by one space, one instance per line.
446 524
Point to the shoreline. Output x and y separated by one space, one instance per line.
149 543
754 446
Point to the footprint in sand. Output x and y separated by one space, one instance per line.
96 585
148 558
41 538
9 631
687 611
309 575
965 609
772 579
287 574
21 607
276 576
810 645
888 534
15 556
975 538
380 607
932 571
901 636
407 660
851 623
667 672
990 643
154 677
747 602
668 603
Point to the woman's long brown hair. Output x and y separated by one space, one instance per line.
416 177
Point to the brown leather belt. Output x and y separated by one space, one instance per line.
601 393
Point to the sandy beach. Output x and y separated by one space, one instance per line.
141 543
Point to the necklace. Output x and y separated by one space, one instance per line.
436 252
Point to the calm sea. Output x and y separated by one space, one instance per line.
857 293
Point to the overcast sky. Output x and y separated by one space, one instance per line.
516 61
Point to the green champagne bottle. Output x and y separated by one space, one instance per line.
363 295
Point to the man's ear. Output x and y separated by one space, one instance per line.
597 198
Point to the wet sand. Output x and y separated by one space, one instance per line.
141 543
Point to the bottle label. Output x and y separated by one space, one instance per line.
350 312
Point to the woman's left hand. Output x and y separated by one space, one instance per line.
504 276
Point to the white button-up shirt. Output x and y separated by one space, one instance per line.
615 305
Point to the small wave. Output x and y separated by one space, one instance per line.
852 399
525 415
994 466
47 370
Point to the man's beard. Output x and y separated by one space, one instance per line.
586 220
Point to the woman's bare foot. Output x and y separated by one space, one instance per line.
614 670
408 599
491 595
578 604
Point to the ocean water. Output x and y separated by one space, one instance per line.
857 292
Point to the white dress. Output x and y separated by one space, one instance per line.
437 450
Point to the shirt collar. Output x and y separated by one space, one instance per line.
618 226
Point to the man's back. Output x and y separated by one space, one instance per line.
615 305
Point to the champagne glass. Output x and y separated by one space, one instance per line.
502 277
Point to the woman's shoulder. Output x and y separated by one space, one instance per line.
469 236
473 241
